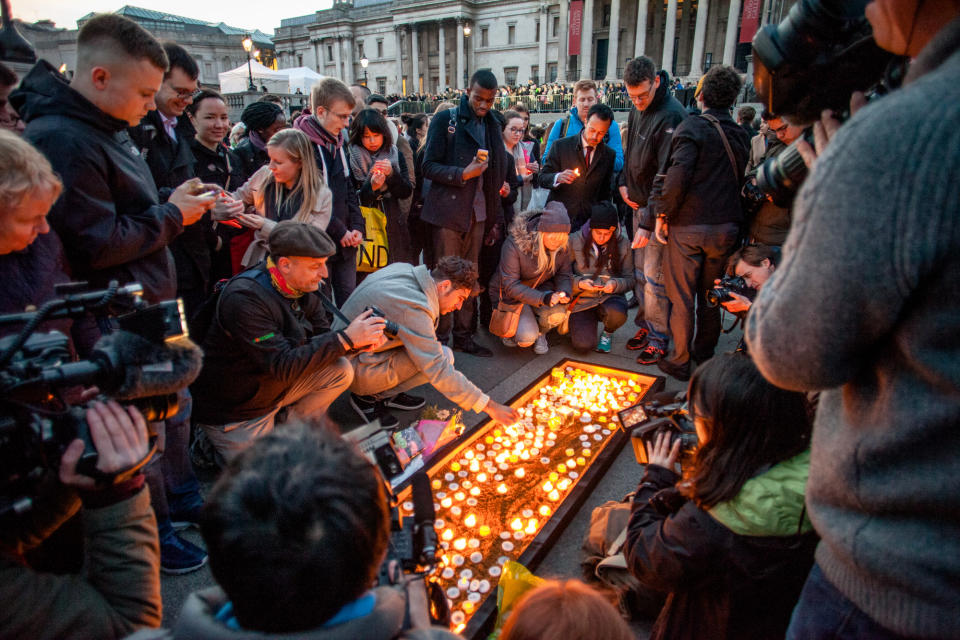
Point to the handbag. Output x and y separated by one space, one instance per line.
505 318
374 252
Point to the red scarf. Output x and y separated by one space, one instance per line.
280 283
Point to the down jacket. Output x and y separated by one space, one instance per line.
518 270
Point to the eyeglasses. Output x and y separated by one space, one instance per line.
779 130
187 94
345 117
514 130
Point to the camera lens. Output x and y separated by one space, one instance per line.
782 175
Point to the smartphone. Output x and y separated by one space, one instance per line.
207 194
482 155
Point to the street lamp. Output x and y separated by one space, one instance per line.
248 47
466 58
364 63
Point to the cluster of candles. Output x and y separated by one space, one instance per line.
497 491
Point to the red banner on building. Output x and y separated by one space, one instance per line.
750 20
576 27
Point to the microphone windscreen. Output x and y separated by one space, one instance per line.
422 496
150 369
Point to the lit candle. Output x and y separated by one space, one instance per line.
519 472
516 525
484 530
455 466
460 544
447 534
531 526
460 496
446 502
554 495
470 520
545 511
502 488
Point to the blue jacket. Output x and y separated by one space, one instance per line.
612 139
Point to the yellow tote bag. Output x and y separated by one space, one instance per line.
374 252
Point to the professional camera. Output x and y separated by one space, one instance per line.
391 329
729 284
143 363
752 198
655 418
815 59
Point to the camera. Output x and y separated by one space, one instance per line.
729 284
752 198
391 329
813 60
144 363
650 419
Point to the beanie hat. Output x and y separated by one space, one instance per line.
554 219
260 115
299 239
603 215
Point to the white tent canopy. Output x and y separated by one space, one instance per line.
282 81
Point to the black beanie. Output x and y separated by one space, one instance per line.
603 215
260 115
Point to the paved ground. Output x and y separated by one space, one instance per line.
502 377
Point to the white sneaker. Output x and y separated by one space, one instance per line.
540 347
508 342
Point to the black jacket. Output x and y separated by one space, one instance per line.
250 157
447 199
771 223
721 585
591 187
507 203
222 167
700 186
346 214
108 215
646 150
258 345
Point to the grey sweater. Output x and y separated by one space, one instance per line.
866 307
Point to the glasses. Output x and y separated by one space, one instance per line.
344 117
187 94
779 130
514 130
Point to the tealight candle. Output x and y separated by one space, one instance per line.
475 491
460 496
484 530
447 534
460 544
502 488
446 502
554 495
520 472
531 526
455 510
517 524
545 511
470 520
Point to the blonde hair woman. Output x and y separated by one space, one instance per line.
290 187
535 271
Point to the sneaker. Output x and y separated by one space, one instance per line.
179 556
540 347
405 402
679 371
605 343
370 409
639 340
650 355
508 342
185 518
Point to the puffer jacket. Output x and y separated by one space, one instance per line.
518 272
734 571
580 243
109 215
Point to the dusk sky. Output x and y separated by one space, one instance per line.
245 14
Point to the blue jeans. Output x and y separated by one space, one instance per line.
612 312
654 310
823 613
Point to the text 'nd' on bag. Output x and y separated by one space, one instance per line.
374 252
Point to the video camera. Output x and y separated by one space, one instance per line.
729 284
144 363
813 60
648 420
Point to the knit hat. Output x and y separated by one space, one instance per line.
290 238
260 115
554 219
603 215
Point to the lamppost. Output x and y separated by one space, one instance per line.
466 58
248 47
364 63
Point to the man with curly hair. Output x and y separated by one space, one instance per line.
701 208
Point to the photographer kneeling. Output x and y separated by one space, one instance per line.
755 263
297 528
120 591
268 345
730 542
414 298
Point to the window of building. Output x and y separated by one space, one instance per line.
484 37
556 25
606 15
379 47
551 72
382 86
707 61
329 53
511 35
510 76
299 59
360 49
208 69
537 38
535 73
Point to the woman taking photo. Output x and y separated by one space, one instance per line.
602 274
534 274
380 176
731 543
524 166
290 187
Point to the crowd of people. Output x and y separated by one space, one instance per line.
820 500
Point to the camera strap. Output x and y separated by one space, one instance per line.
726 144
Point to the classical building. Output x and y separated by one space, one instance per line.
215 47
427 45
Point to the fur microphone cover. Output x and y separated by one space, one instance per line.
144 368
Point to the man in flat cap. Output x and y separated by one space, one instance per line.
269 344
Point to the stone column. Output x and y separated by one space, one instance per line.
668 36
461 56
586 41
730 42
348 59
699 36
613 42
442 81
542 61
399 53
415 56
317 60
337 67
563 58
640 44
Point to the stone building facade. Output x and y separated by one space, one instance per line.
427 45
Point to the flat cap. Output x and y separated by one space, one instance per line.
291 238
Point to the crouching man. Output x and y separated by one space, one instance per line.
297 528
268 345
414 298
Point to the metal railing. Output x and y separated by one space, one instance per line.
542 103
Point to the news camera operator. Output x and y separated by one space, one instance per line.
310 576
120 589
730 542
268 345
864 307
